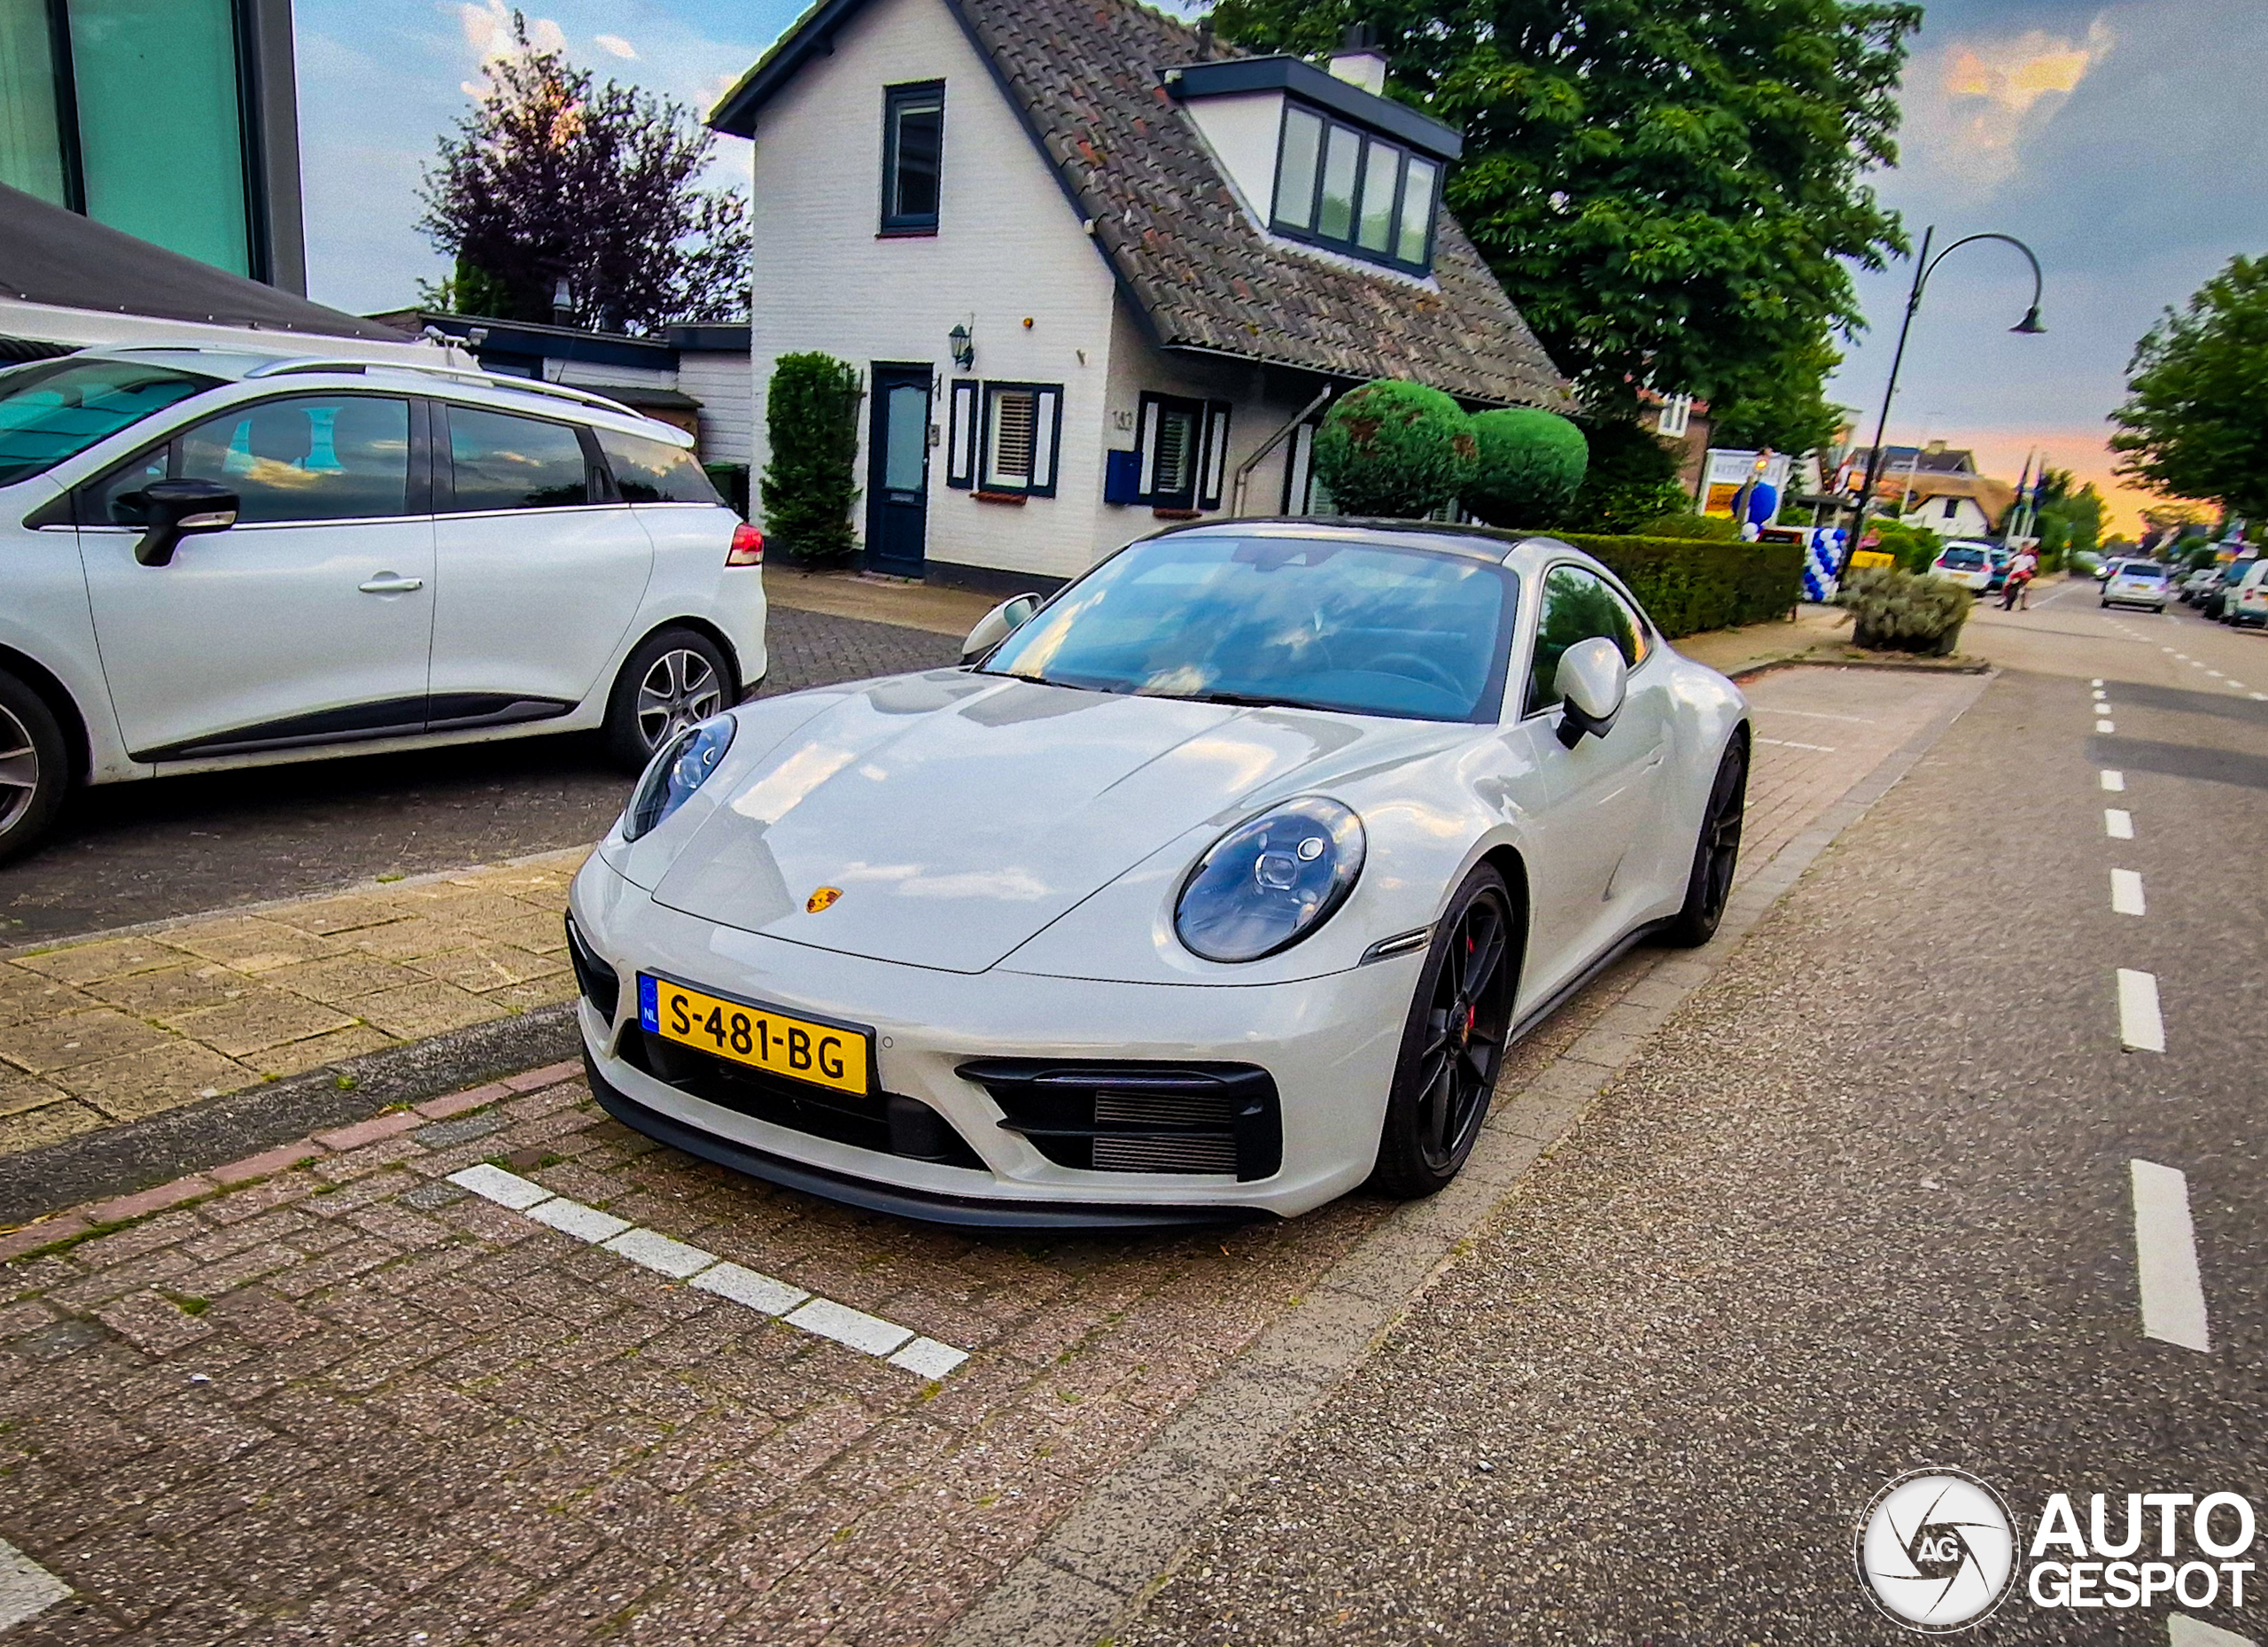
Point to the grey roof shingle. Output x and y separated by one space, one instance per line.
1083 74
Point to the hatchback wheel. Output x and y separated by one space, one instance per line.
34 767
677 678
1453 1043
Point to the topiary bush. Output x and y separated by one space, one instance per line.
1892 610
1530 464
812 413
1396 449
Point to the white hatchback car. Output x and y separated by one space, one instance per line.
1968 564
216 560
2137 583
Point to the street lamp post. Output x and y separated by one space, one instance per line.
1925 266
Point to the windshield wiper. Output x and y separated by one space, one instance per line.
1234 700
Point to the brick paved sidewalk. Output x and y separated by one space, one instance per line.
118 1029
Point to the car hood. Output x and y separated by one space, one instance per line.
959 815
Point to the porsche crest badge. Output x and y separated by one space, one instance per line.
821 899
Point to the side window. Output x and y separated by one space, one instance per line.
340 457
116 498
503 461
914 132
1578 606
653 472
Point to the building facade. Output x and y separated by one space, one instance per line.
174 120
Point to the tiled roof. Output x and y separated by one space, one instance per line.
1084 73
1084 76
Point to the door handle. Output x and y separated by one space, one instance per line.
387 583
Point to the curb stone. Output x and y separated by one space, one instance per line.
1098 1567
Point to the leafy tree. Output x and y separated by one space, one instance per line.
1781 402
549 177
1394 448
811 415
1669 192
1630 480
2067 525
2195 422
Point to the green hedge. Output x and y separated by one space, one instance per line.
1690 584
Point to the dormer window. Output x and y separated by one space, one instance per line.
1339 186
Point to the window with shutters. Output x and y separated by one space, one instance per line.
1185 446
1020 429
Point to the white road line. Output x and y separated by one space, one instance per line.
1815 714
2115 781
1789 743
2260 697
2215 674
2125 892
2184 1631
2119 823
871 1335
2105 725
2096 681
26 1588
2165 1249
2140 1028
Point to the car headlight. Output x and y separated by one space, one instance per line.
679 768
1270 881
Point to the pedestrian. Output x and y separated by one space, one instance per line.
2017 591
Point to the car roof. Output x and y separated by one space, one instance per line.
456 383
1492 544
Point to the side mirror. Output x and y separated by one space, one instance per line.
182 508
998 624
1591 680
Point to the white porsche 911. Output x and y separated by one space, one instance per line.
1213 887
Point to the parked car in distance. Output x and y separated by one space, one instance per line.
2246 605
2137 583
1145 917
2215 601
222 558
2088 562
2194 585
1965 563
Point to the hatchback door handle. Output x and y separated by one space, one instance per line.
387 583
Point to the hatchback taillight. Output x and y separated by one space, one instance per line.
747 547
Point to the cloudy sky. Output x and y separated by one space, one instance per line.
2123 142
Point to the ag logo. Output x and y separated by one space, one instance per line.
824 898
1935 1550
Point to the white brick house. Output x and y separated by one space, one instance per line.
1149 254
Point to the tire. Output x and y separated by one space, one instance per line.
1443 1076
34 767
674 679
1716 853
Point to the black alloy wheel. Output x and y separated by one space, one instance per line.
1716 854
1454 1041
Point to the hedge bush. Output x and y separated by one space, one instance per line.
1894 612
1394 449
1531 461
812 413
1690 584
1709 528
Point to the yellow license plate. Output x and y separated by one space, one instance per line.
826 1054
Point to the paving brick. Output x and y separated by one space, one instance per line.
151 1082
152 1323
266 1164
550 1075
369 1131
459 1103
144 1202
31 1236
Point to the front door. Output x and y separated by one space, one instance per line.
897 470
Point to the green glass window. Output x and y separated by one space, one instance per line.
31 132
1379 167
1336 220
1417 212
160 140
1354 191
1295 168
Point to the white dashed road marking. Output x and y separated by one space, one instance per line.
2118 823
2125 892
1815 714
26 1588
2141 1027
871 1335
2096 681
2115 781
2104 725
2165 1249
1788 743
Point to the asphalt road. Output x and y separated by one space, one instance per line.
1866 1205
132 852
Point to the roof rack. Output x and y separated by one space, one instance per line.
453 374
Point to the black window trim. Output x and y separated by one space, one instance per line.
1652 636
915 225
417 503
1155 404
598 479
1035 486
1351 246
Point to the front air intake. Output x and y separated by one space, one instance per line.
1207 1118
600 983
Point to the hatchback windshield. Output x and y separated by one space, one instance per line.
1968 559
50 410
2148 571
1366 627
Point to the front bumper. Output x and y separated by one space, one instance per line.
1329 1045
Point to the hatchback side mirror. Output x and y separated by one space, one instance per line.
1592 681
999 624
182 508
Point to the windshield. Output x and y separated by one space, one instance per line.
1970 558
50 410
1366 627
2147 570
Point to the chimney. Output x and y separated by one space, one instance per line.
1358 61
